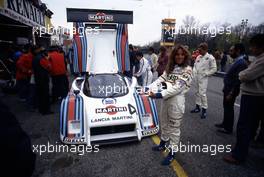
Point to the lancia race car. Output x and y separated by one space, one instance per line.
104 106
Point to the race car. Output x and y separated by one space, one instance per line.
103 105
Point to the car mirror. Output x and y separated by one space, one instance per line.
76 92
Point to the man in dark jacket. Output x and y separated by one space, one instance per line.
41 67
133 62
232 87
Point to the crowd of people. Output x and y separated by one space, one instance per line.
176 71
34 67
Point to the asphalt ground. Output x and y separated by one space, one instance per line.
136 158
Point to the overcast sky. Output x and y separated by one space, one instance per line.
149 13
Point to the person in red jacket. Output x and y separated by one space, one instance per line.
60 84
23 73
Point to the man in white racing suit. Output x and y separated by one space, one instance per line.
144 73
204 66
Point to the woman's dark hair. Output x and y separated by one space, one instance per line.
171 63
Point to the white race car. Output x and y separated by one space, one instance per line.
104 106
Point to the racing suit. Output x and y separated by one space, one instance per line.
173 105
154 61
144 72
204 67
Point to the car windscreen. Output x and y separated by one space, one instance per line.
105 85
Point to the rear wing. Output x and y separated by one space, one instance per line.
100 44
99 16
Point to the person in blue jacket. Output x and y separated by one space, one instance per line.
232 87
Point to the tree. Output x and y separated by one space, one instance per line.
189 21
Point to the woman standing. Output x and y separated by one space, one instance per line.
175 82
